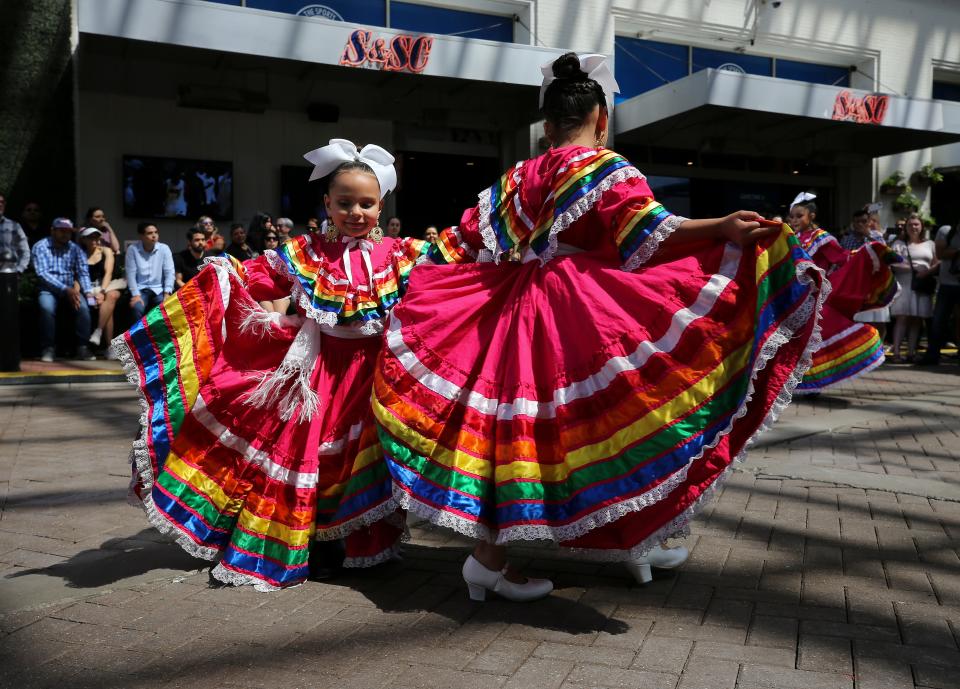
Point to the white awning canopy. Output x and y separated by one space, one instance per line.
231 29
730 112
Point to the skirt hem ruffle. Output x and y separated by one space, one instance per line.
811 308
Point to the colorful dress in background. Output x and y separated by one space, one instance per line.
860 280
595 393
257 430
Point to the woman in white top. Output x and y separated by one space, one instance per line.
911 307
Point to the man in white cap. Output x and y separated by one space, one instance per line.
64 280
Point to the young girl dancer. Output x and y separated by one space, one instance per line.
860 279
257 431
595 393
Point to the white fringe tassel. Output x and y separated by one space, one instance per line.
288 387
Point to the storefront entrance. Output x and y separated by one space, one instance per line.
435 188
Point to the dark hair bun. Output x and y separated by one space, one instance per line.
567 66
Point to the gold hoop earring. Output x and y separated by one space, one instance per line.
599 141
376 235
332 233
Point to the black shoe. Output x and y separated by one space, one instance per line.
927 360
326 560
214 583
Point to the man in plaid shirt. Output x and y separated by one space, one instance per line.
64 279
14 249
860 232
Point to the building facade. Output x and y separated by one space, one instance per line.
189 106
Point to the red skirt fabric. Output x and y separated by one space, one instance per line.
578 403
235 482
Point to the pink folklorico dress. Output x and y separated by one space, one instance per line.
594 393
860 280
257 430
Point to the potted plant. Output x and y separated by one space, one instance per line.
907 201
894 184
928 175
929 222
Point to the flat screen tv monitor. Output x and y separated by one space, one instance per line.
155 187
300 199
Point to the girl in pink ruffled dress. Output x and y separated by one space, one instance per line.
859 280
595 393
258 438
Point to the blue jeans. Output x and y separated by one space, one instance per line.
48 318
150 299
948 296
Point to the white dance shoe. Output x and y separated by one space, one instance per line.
480 580
641 567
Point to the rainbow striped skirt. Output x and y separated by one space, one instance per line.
235 483
581 404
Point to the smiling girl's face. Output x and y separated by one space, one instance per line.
353 202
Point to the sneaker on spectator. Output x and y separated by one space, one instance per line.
95 337
111 355
47 355
84 354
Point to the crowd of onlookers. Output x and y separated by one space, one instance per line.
75 276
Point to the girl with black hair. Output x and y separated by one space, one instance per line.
258 437
595 393
859 280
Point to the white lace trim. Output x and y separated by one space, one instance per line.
561 223
487 233
583 205
228 576
391 553
139 454
224 263
177 534
298 293
811 308
303 299
650 245
814 391
368 518
465 527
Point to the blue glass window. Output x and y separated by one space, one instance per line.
409 16
831 75
946 90
751 64
641 66
372 12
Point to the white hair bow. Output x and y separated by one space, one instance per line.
596 67
802 197
328 158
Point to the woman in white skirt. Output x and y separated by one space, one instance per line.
912 306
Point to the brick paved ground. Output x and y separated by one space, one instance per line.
824 563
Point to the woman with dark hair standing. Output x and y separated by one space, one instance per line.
260 224
595 392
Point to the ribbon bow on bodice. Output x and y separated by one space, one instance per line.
365 246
